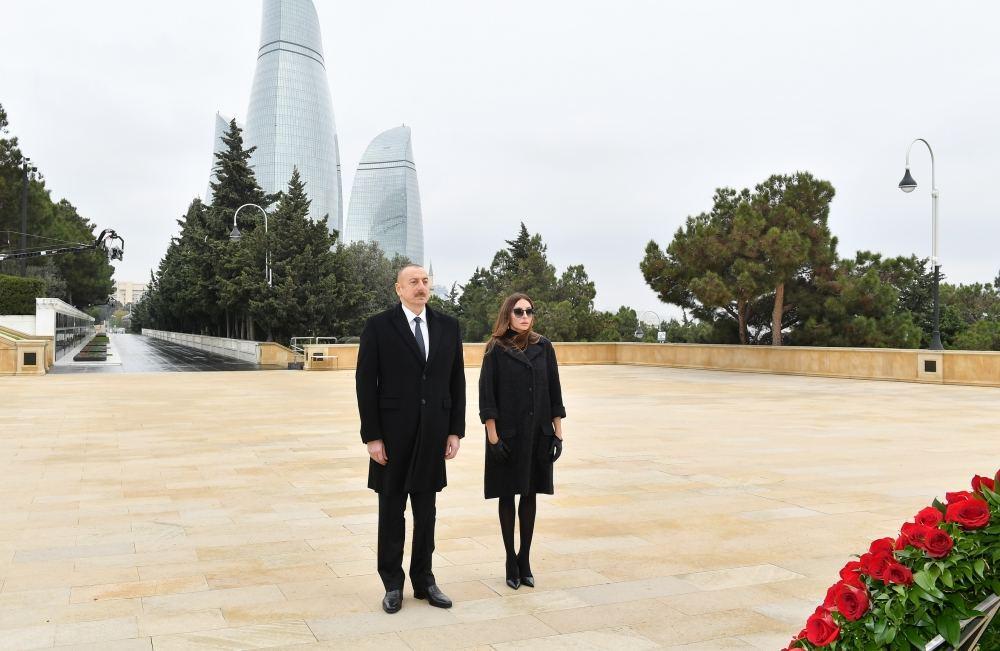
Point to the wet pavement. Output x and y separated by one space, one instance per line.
141 354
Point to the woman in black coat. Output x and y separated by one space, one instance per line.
520 402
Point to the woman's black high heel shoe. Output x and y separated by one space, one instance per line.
524 570
513 574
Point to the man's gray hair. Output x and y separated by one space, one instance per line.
409 265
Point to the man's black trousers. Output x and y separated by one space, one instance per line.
392 534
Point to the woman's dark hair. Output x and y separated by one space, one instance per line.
503 334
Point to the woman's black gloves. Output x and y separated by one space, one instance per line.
556 448
499 451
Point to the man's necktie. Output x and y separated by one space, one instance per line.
420 337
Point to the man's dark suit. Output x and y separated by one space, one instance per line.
412 406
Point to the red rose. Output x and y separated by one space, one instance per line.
874 565
938 544
881 545
794 643
850 574
898 573
852 602
821 630
957 496
973 513
831 596
915 534
978 483
929 517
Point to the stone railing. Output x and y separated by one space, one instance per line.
266 353
240 349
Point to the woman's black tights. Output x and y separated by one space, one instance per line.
526 509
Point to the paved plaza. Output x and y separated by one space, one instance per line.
693 510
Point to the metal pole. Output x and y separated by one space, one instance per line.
24 216
936 334
936 331
267 253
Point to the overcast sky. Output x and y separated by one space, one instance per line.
601 125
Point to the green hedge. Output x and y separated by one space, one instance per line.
17 295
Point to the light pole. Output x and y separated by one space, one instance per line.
908 184
235 236
26 169
639 333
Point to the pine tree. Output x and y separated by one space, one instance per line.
564 303
306 289
235 183
235 269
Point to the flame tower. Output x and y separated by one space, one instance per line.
385 199
290 117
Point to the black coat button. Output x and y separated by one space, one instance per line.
423 402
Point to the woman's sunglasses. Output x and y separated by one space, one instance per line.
520 311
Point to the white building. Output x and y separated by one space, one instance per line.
55 319
128 293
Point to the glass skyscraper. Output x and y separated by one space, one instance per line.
385 199
290 117
221 127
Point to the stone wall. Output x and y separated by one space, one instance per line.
240 349
947 367
902 365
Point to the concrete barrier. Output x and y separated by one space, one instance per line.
980 368
241 349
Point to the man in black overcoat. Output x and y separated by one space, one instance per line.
411 396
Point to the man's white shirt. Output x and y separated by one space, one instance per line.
410 316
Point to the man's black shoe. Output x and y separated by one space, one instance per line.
434 597
392 601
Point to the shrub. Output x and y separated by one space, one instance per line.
17 295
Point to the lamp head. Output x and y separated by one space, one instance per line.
235 235
638 332
908 184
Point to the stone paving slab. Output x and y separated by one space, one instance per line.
693 510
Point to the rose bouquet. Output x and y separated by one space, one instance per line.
903 592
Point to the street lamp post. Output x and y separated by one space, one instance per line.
26 170
235 236
908 184
639 333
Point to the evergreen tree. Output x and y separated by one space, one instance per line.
306 289
235 185
369 278
234 182
82 279
793 242
713 267
564 303
857 306
751 259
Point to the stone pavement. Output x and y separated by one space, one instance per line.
693 510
